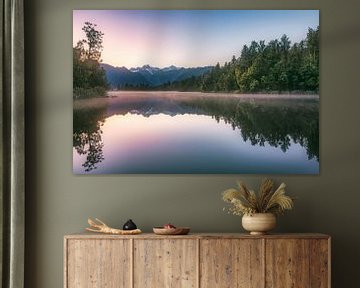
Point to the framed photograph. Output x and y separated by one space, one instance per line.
196 91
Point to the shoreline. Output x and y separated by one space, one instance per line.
110 94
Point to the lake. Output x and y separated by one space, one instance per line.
193 132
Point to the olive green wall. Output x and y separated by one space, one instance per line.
59 202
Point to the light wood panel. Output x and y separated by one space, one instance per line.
197 260
231 263
89 235
287 263
166 263
98 264
320 263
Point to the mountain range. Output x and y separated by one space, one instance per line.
119 77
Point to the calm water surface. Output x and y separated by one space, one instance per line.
177 132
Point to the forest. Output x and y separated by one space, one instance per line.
275 67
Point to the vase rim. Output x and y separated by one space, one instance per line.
266 213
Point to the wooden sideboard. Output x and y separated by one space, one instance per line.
197 260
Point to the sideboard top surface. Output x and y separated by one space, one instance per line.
87 235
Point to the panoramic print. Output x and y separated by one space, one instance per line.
196 91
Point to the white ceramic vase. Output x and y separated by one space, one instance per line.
259 223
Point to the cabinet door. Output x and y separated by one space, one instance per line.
320 263
287 263
98 263
165 263
231 263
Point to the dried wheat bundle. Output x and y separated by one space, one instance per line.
267 200
101 227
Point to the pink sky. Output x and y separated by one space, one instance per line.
188 38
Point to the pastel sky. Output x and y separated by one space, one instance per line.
188 38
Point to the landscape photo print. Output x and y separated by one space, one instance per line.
196 91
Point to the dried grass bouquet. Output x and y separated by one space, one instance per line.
246 202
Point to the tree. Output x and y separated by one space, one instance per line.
94 39
284 44
312 41
89 79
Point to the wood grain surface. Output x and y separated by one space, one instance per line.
319 263
98 263
287 263
165 263
231 263
197 260
88 235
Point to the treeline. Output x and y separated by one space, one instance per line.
274 67
132 87
189 84
89 79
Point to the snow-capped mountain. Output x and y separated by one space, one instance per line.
147 75
145 68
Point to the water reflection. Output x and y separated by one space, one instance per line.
87 135
268 121
278 123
